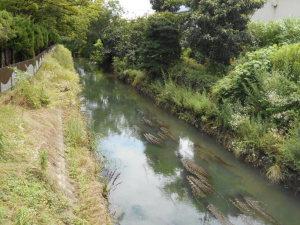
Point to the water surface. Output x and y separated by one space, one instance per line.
151 187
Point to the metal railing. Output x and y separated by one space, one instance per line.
31 66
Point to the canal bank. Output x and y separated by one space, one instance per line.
49 173
149 184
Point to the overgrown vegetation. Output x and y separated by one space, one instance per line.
236 79
31 152
28 27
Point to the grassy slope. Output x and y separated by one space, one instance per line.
48 173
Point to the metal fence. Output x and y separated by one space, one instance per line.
31 66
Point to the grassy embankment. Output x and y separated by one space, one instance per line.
48 171
252 106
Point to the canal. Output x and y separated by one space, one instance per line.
148 181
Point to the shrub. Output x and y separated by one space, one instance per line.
161 48
275 32
287 61
274 173
63 57
291 146
119 65
182 98
245 73
33 95
97 54
193 75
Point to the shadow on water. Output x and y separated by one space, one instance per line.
147 144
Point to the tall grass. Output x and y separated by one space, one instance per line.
276 32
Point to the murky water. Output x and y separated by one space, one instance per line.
151 187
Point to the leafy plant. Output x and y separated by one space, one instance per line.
219 32
43 159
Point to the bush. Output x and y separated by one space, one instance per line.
97 54
275 32
33 95
191 74
135 77
161 48
63 57
245 73
287 61
182 98
291 146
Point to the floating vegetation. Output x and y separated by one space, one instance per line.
253 207
197 192
152 139
203 188
219 215
148 122
167 133
194 169
198 180
162 135
209 156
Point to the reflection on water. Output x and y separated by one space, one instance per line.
152 188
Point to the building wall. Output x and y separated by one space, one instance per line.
284 9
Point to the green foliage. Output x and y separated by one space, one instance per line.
23 43
291 146
219 32
245 74
275 32
287 61
135 76
36 26
98 52
166 5
34 96
182 98
64 57
6 27
2 144
43 159
24 216
189 73
161 48
75 132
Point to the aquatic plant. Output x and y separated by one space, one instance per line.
198 180
197 192
253 207
194 169
219 215
167 133
274 173
152 139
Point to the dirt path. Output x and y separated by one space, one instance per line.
46 133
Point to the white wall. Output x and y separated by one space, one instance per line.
284 9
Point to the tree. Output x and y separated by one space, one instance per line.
161 48
6 27
217 28
166 5
98 52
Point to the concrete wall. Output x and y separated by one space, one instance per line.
284 9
